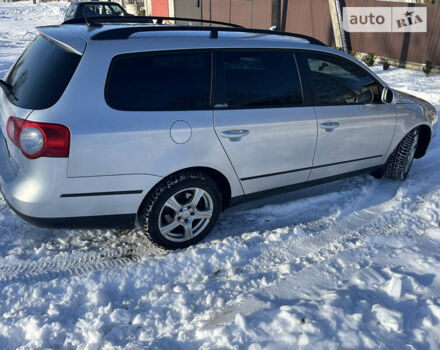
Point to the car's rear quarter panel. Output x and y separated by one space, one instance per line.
7 109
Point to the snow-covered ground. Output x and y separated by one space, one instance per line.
352 264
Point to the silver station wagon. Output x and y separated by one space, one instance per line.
111 122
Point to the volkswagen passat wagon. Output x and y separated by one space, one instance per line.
164 126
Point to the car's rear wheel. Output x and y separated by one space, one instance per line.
401 160
180 211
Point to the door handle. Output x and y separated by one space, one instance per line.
329 126
234 135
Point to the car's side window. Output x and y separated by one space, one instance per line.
160 81
337 81
257 79
115 10
92 10
108 10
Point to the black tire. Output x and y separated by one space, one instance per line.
153 205
400 162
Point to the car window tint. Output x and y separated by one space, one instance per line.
258 79
41 74
95 10
171 81
89 11
109 11
115 10
338 81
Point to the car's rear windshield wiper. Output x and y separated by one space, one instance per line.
8 88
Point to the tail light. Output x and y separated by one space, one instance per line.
36 139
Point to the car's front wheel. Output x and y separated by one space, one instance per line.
180 211
401 160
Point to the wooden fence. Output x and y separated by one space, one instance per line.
413 47
312 17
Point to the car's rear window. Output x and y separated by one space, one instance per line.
41 74
160 81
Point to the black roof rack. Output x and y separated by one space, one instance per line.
143 19
126 32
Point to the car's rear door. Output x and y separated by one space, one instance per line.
262 118
355 128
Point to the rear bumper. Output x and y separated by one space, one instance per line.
123 221
97 207
41 193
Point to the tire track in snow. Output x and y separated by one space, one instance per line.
251 304
349 233
356 228
70 264
316 247
78 263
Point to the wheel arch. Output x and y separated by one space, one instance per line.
219 178
424 140
422 145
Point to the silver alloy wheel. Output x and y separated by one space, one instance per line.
185 214
412 151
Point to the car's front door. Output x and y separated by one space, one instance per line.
355 128
261 119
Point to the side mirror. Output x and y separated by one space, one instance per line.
387 95
365 97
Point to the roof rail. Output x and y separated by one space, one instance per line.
126 32
144 19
